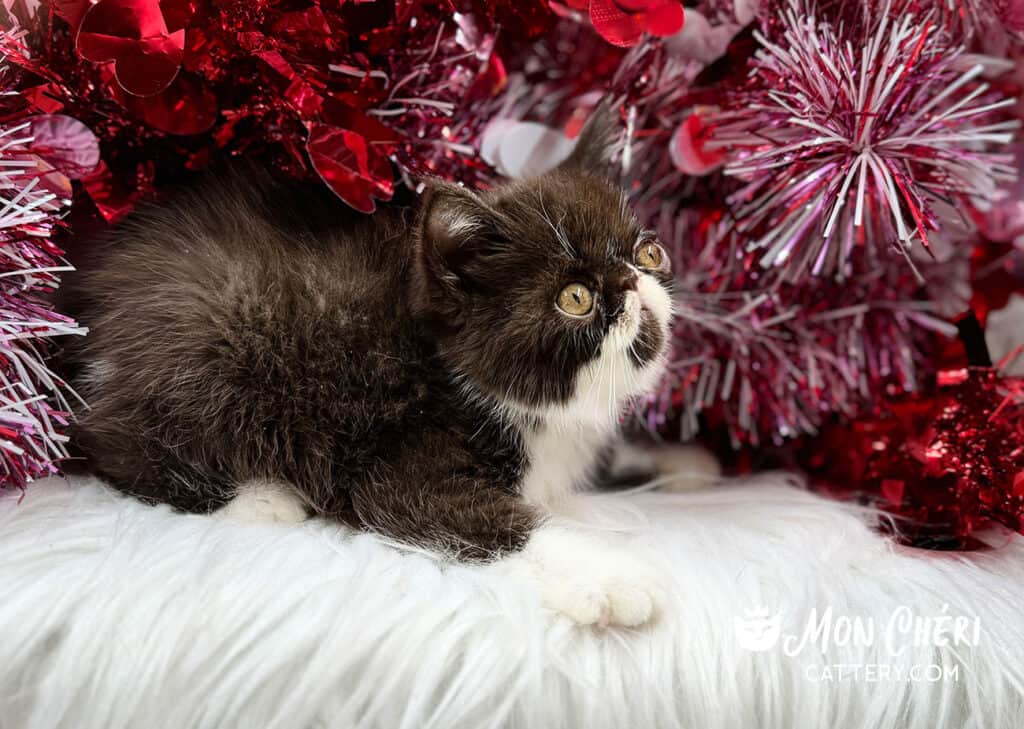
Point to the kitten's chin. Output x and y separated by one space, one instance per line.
605 391
607 386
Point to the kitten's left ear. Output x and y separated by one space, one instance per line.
451 218
596 142
452 226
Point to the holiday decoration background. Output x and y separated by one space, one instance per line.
838 182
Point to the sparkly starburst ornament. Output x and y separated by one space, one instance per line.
872 131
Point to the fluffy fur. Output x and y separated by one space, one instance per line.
114 615
409 373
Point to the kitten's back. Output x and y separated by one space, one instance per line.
234 333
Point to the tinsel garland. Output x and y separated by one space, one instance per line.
33 405
830 177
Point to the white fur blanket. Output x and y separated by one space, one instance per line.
114 614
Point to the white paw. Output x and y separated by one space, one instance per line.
686 467
265 501
591 581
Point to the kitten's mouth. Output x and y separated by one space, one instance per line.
626 328
639 334
645 310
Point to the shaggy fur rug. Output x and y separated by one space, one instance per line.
784 611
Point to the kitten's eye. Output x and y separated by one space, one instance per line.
649 255
576 299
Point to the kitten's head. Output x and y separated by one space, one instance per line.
546 295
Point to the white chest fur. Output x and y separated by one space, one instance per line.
560 459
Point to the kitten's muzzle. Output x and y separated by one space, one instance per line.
626 283
627 320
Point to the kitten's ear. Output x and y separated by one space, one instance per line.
595 144
452 218
452 226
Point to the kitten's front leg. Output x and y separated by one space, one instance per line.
454 515
582 576
589 579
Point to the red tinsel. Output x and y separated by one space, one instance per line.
946 463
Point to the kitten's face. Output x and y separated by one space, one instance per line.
552 300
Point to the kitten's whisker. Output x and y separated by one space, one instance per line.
560 236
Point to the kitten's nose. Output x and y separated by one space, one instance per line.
622 284
628 301
627 281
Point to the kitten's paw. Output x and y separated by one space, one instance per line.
265 501
590 581
686 467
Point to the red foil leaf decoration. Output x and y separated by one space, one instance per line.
340 114
185 107
303 98
113 197
615 26
71 11
351 166
109 198
44 98
623 22
664 19
144 39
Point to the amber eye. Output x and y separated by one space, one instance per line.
576 299
649 255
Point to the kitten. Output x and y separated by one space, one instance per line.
443 376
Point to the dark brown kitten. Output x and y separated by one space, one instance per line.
440 375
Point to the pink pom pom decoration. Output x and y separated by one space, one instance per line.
868 131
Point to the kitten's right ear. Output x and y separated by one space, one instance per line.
452 224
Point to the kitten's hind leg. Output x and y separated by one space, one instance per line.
686 467
265 500
673 467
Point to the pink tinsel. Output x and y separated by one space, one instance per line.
32 401
873 131
766 361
